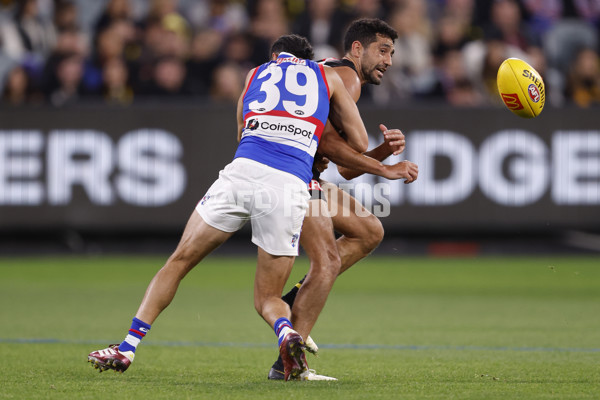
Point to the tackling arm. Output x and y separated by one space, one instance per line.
337 150
394 143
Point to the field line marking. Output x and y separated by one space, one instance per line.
324 346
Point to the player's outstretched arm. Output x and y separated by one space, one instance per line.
394 144
344 114
337 150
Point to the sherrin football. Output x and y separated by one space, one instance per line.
521 88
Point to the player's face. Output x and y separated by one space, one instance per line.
376 59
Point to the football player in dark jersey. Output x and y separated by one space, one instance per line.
368 46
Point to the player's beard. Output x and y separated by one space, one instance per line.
372 74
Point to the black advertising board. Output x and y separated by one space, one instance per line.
145 168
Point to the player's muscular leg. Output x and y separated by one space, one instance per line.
361 231
272 272
318 241
198 240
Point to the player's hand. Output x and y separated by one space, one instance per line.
403 170
394 139
321 162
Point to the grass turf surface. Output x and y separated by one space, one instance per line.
407 328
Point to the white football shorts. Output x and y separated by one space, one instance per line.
274 201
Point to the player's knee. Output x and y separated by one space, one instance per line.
373 233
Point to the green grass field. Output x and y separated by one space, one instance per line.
393 328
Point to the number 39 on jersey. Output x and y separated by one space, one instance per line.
286 104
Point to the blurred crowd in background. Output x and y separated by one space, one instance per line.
120 52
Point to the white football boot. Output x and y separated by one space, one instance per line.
311 375
311 346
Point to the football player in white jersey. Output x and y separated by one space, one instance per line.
219 214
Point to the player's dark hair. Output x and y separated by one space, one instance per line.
295 44
365 30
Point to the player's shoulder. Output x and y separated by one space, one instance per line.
346 70
250 75
341 65
338 63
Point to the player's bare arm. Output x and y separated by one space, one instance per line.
351 163
337 150
394 144
240 106
344 114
